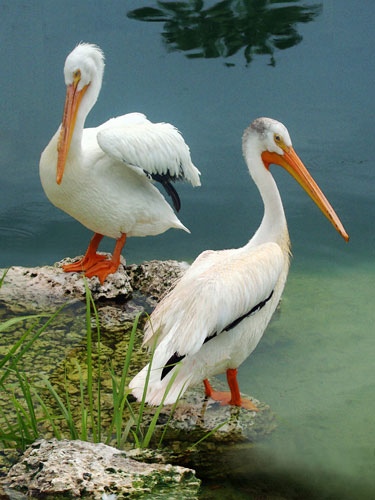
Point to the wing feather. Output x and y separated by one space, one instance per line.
218 288
149 148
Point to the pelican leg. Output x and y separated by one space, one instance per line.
105 267
235 392
229 398
207 388
90 258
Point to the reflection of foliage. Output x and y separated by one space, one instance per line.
258 26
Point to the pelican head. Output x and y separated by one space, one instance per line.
270 140
83 73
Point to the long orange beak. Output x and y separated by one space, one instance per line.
72 102
292 163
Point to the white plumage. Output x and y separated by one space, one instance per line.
103 176
155 148
214 317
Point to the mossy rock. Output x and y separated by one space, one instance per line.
57 469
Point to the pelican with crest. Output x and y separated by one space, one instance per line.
104 176
216 314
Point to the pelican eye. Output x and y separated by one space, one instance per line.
77 75
277 138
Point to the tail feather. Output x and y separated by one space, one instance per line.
157 386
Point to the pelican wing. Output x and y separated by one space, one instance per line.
157 150
215 294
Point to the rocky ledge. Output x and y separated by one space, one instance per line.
230 434
39 287
56 469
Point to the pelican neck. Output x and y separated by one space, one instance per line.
87 103
273 227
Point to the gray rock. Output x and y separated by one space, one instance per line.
78 468
227 435
40 287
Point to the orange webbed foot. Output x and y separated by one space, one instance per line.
229 398
225 398
102 270
83 264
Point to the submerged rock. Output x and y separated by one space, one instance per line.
226 434
78 468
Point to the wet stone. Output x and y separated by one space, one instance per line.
56 469
44 284
227 435
136 287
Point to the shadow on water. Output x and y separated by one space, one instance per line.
257 476
222 30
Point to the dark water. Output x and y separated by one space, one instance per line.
210 68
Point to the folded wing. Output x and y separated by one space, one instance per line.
157 150
219 290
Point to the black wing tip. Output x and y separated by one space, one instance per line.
170 364
165 180
255 309
174 196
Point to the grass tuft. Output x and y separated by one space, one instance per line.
33 416
32 412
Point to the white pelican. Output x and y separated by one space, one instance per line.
103 176
216 314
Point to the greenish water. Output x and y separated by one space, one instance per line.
313 69
315 368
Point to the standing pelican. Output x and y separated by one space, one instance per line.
214 317
103 176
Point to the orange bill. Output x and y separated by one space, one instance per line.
72 102
292 163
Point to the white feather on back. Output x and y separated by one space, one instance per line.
157 148
217 289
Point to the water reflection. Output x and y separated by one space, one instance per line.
222 30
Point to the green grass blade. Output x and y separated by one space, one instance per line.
209 434
119 401
7 423
14 321
124 400
125 434
129 352
171 414
154 420
99 426
116 397
47 414
89 361
3 277
62 407
19 342
136 440
22 419
132 414
142 404
25 387
68 407
12 440
83 409
29 344
20 410
119 394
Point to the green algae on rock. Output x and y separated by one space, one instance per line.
197 418
78 468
